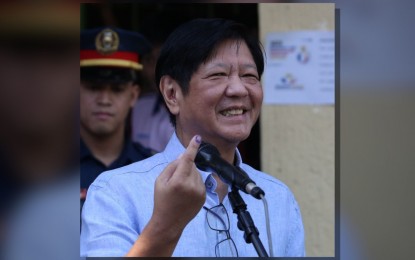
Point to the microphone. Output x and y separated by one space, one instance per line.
208 159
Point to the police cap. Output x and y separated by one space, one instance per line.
111 54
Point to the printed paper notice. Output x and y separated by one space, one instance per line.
299 68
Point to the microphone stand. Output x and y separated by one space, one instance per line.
245 222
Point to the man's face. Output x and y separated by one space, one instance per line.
104 107
224 98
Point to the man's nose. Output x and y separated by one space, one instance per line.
236 87
104 97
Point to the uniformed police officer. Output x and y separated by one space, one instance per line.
110 65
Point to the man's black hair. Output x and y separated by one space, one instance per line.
194 43
104 75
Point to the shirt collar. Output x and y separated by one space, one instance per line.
128 151
83 150
238 158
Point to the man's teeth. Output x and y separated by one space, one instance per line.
233 112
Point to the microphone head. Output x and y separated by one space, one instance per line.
208 159
205 155
208 148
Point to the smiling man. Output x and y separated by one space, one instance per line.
209 74
109 60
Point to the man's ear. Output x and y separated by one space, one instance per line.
172 93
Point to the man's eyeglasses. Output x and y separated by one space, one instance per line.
225 247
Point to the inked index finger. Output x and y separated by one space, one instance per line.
192 148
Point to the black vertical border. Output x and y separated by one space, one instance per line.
337 135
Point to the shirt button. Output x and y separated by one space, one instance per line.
209 184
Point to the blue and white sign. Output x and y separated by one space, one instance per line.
300 68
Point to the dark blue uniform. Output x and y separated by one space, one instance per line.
92 167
